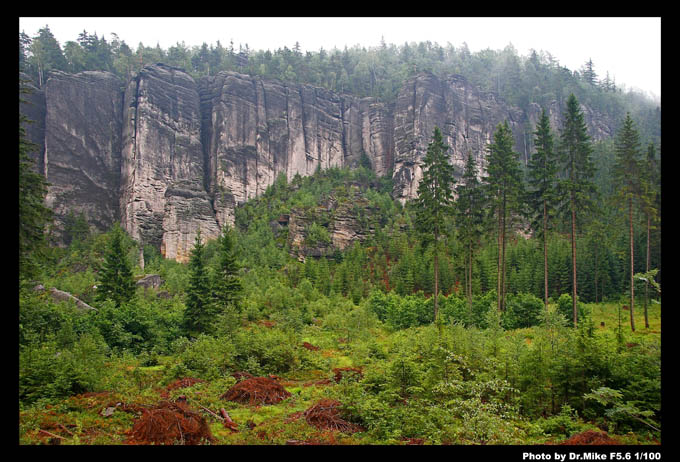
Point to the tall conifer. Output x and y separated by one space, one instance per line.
651 205
577 188
435 200
227 288
505 188
469 217
200 309
627 175
542 184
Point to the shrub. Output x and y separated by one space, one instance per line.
454 308
273 349
565 307
47 371
522 310
208 357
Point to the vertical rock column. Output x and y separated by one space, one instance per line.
163 198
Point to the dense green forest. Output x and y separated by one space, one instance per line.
353 336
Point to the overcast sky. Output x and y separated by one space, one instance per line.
629 48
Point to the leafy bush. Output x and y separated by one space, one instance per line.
522 310
565 307
206 358
272 349
401 312
454 308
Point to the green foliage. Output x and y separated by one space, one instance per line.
200 307
317 235
522 310
565 307
564 424
265 350
227 287
115 282
205 357
47 370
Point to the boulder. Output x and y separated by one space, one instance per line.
152 281
60 295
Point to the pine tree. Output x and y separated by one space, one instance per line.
435 200
577 187
627 175
227 288
200 309
542 184
470 217
116 282
505 188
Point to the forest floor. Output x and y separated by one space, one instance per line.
197 411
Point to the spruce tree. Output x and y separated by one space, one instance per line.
434 203
542 184
470 217
116 282
627 175
200 309
227 288
505 189
577 188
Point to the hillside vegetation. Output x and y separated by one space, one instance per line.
352 331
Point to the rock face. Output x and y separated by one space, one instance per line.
255 130
467 118
166 154
82 145
345 220
32 105
163 199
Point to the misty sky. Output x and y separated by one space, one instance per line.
629 48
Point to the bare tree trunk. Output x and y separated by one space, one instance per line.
647 270
500 260
632 287
597 247
545 253
503 268
436 277
573 260
470 276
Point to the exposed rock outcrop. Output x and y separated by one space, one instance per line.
152 281
166 154
163 198
255 129
82 145
60 295
343 221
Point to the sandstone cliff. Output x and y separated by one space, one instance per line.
82 145
165 154
163 200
